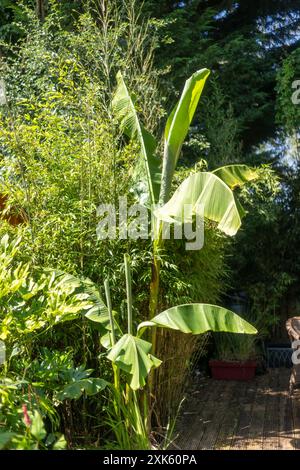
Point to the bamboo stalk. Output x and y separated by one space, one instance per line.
113 337
109 307
128 291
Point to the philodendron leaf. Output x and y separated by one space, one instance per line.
199 318
132 355
147 173
205 194
89 386
236 175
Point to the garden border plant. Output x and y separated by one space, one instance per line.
211 191
132 360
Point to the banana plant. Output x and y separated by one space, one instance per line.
212 191
132 354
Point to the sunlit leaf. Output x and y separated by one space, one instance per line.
207 195
132 355
236 175
198 319
147 169
177 128
37 428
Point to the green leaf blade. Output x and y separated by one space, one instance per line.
147 169
37 428
132 355
236 175
201 318
177 128
205 193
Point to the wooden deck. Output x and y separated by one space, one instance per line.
232 415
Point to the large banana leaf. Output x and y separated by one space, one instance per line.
235 175
207 195
147 172
198 319
177 127
132 355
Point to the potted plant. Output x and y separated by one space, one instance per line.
235 357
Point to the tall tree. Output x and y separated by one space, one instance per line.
243 43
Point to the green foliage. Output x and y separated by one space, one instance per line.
198 319
147 167
222 128
33 302
61 156
236 175
266 270
288 112
60 150
132 355
78 381
34 299
288 102
34 438
202 194
236 347
194 276
242 43
205 194
177 127
127 421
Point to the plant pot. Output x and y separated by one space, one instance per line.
232 370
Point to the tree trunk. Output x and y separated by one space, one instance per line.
41 6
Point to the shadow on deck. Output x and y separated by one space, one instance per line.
241 415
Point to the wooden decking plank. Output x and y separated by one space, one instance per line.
219 407
286 432
242 415
193 425
255 435
230 421
271 422
240 439
187 428
208 418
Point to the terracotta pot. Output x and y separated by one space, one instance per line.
232 370
13 219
